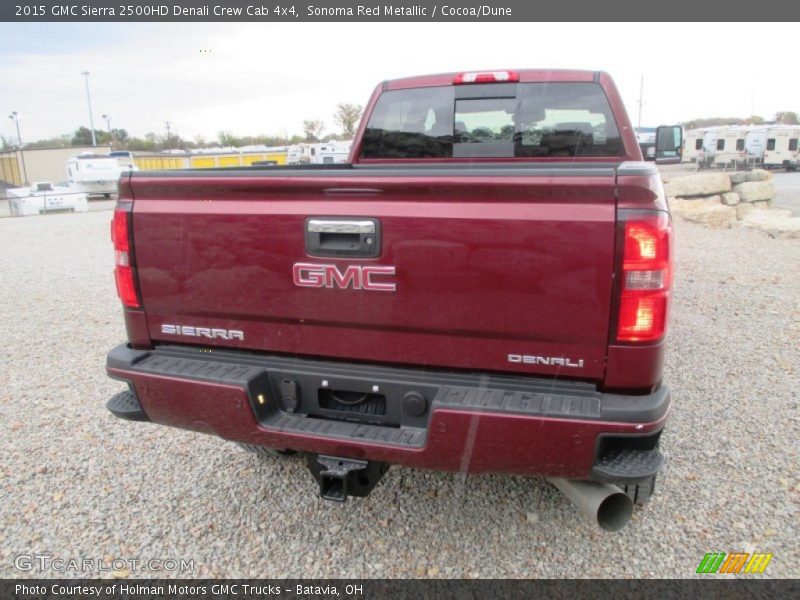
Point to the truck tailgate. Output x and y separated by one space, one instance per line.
501 269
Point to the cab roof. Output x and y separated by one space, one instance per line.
525 76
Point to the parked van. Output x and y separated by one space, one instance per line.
781 149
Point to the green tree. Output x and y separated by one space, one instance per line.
347 117
226 138
119 136
83 136
62 141
712 122
787 118
313 130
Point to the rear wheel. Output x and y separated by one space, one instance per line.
640 493
263 452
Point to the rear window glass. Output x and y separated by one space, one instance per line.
793 144
771 144
540 120
740 144
698 144
484 121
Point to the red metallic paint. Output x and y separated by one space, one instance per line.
460 441
635 367
484 267
136 328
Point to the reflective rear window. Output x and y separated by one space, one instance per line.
531 120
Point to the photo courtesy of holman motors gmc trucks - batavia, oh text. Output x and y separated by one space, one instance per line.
484 287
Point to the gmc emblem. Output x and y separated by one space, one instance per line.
356 276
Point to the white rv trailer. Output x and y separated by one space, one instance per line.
693 145
321 153
755 142
730 148
781 149
330 152
706 157
294 154
93 174
43 197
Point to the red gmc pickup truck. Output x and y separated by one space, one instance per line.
484 287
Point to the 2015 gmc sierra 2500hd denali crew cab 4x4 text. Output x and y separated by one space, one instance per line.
483 288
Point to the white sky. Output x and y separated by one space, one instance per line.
267 78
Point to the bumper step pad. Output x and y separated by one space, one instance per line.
627 466
410 437
126 406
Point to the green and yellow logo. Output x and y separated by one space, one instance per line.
735 562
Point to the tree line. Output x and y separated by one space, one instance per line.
346 117
781 118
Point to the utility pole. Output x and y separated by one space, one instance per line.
641 99
15 117
167 141
108 125
89 100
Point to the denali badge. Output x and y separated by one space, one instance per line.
358 277
204 332
552 361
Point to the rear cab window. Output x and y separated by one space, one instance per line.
505 120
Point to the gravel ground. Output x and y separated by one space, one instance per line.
77 482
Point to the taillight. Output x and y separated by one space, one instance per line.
486 77
646 276
123 263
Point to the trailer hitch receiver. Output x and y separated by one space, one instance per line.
342 477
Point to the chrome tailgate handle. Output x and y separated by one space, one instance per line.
342 237
340 226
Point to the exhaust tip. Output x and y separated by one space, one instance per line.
615 512
606 504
